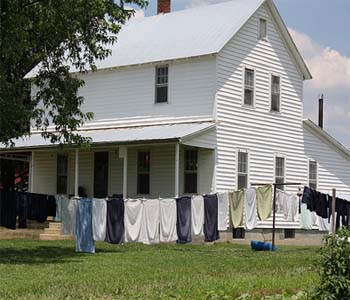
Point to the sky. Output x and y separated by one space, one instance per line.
321 31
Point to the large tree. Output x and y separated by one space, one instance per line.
53 34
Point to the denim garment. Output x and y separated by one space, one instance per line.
84 238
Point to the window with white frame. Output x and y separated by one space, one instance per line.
143 172
275 93
242 176
191 169
62 174
162 84
262 29
280 171
313 175
249 78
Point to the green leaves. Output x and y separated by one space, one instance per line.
56 34
335 268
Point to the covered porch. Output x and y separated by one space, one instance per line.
147 161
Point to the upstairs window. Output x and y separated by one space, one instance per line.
280 172
62 174
249 78
143 172
262 29
313 175
191 168
275 93
242 170
162 84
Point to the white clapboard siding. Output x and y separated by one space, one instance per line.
262 133
333 167
45 165
129 92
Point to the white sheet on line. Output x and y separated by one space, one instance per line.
290 207
151 221
168 218
68 211
223 207
197 216
99 219
250 210
323 224
134 220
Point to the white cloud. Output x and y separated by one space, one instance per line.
329 68
331 77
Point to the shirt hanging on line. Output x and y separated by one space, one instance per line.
99 219
197 215
223 214
168 217
236 208
251 215
264 201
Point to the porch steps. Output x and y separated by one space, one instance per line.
54 233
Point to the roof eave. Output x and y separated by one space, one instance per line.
289 40
325 135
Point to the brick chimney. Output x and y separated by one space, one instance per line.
164 6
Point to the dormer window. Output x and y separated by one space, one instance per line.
262 29
161 84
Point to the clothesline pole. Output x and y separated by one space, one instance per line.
76 177
177 169
274 216
334 199
275 185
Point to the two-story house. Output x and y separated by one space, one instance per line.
190 102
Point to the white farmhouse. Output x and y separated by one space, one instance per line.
190 102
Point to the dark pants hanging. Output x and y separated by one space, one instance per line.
183 224
211 231
115 220
84 237
51 206
8 209
22 209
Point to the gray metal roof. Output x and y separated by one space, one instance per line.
125 135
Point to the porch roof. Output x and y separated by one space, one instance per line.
123 135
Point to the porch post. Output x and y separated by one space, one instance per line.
177 169
125 173
32 173
76 177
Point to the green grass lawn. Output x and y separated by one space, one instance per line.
52 270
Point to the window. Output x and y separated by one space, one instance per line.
161 84
289 233
279 172
101 174
262 29
191 168
313 175
275 93
238 233
143 172
62 171
249 87
242 170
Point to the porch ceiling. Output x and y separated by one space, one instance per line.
123 135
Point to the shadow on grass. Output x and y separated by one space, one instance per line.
43 255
